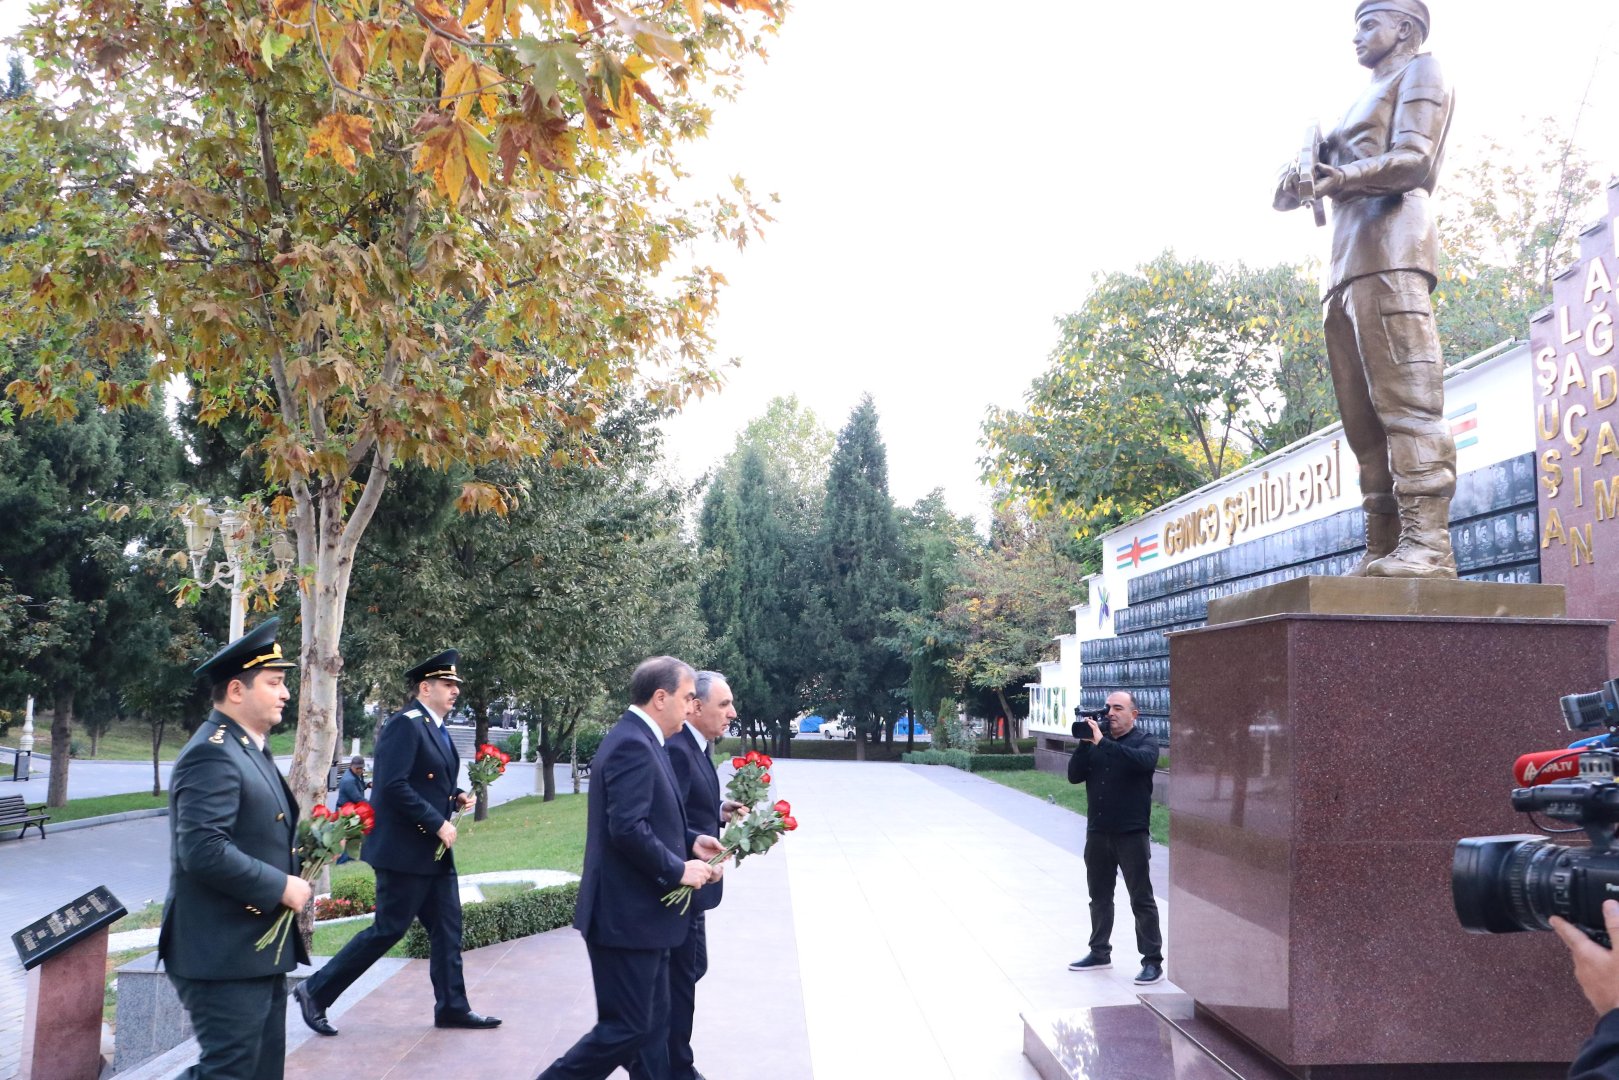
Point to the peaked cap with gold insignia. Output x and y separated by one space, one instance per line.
256 650
441 666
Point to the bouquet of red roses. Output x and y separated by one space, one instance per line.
486 768
750 784
321 838
754 834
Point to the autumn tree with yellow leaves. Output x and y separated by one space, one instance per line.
373 233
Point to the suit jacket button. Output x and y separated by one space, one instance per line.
430 776
281 817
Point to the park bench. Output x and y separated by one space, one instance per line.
14 812
21 761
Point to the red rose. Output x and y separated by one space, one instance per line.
764 778
320 813
789 823
505 758
346 810
782 807
753 757
737 763
765 760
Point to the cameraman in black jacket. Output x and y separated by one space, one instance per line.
1117 766
1597 970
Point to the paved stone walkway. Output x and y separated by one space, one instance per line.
131 858
901 931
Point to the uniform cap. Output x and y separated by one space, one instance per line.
441 666
1414 9
256 650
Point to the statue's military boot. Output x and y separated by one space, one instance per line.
1424 547
1382 531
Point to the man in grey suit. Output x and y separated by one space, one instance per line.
233 825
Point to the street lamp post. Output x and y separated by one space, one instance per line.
236 536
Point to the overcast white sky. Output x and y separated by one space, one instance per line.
952 173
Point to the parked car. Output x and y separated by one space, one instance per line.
836 729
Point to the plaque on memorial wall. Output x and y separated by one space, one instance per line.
1576 388
66 925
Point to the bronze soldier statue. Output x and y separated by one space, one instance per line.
1379 167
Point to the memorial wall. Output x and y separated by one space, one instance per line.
1292 514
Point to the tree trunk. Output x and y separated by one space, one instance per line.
548 772
888 735
860 742
157 750
480 735
328 544
1006 711
573 759
61 746
95 740
910 732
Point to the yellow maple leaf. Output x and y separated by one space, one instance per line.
455 153
341 135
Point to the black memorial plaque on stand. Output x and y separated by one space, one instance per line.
66 925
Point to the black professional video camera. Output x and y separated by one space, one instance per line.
1082 730
1503 884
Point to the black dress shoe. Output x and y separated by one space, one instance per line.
467 1019
313 1014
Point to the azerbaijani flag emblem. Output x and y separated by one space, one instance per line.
1138 551
1464 426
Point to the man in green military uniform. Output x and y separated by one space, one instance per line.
1379 167
233 865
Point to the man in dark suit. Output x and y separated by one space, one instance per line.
414 793
352 789
690 753
232 828
637 849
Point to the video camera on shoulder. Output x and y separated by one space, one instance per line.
1082 730
1503 884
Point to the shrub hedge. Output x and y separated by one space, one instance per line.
961 759
494 921
359 892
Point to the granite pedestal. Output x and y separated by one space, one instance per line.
61 1028
1325 766
150 1018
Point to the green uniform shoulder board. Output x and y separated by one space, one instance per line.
218 737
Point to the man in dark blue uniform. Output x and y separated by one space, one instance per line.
232 827
690 751
414 792
637 849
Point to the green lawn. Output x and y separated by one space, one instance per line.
524 834
1072 796
104 804
131 741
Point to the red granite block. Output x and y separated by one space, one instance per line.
61 1034
1324 768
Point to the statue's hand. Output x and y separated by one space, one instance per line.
1329 180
